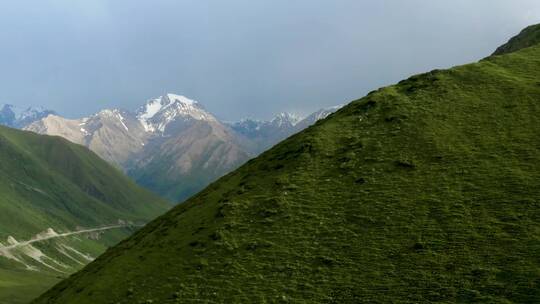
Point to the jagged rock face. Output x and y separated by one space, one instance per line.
31 115
15 117
261 135
162 114
59 126
187 148
113 134
172 144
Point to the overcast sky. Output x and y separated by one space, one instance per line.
237 57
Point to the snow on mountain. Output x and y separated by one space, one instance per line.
252 127
323 113
151 108
263 134
285 119
113 114
316 116
247 125
171 144
32 114
159 112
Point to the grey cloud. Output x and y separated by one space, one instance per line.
238 57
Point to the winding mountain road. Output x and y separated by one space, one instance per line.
51 234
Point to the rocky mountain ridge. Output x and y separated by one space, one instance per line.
172 144
17 117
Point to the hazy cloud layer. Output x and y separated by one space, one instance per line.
239 57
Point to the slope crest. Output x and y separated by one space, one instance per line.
526 38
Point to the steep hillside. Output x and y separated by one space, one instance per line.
426 191
72 184
48 187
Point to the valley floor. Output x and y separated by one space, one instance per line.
21 286
18 285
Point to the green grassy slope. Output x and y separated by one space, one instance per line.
426 191
48 182
18 286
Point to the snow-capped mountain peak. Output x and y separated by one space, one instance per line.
180 98
285 118
32 111
109 113
157 113
323 113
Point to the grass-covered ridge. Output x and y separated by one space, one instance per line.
528 37
47 182
426 191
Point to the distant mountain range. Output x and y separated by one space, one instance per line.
171 145
16 117
262 134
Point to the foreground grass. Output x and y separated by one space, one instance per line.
20 286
